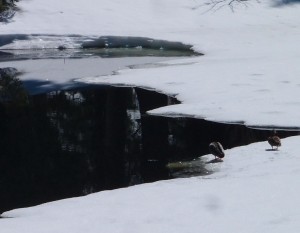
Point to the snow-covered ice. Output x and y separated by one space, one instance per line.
250 70
44 75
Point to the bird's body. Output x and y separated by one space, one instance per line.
217 149
274 141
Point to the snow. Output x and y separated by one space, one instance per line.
251 52
249 74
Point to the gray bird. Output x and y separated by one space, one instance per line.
217 150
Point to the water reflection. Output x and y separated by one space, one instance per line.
19 54
36 46
68 143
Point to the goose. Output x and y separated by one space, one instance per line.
217 150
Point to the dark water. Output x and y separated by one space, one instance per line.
70 143
46 46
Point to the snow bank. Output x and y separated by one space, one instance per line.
253 190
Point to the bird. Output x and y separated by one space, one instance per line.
274 141
217 150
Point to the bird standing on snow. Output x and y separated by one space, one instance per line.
274 141
217 150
